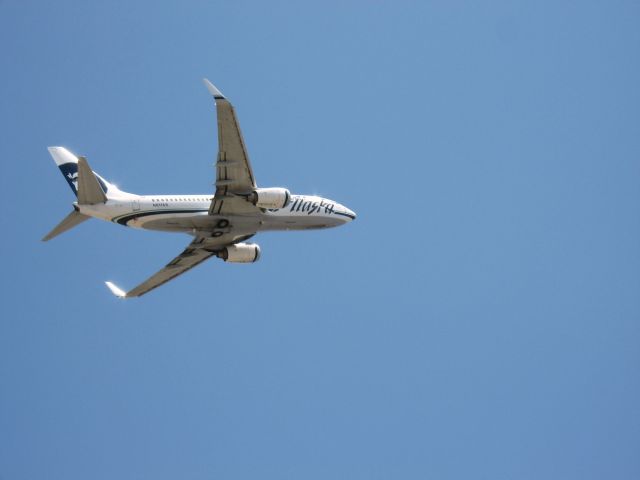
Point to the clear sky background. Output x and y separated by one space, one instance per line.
480 318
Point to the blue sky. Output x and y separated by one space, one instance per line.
480 318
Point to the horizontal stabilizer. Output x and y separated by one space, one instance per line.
70 221
89 189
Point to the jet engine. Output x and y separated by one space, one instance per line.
240 253
270 198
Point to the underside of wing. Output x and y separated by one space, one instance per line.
193 255
234 176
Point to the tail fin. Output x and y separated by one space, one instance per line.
93 187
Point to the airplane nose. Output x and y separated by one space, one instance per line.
349 213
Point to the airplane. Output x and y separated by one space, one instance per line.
220 223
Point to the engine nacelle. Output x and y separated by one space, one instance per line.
270 198
240 253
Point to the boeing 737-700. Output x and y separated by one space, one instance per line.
220 223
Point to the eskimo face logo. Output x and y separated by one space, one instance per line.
73 178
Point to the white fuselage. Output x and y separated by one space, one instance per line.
190 214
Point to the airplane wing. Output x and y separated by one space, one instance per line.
193 255
234 175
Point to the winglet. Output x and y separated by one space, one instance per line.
118 292
212 89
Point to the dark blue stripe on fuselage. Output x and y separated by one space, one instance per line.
352 217
123 220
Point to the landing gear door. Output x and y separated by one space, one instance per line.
135 205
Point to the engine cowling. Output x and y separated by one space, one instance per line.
270 198
240 253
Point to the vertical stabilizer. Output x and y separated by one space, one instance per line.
68 164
